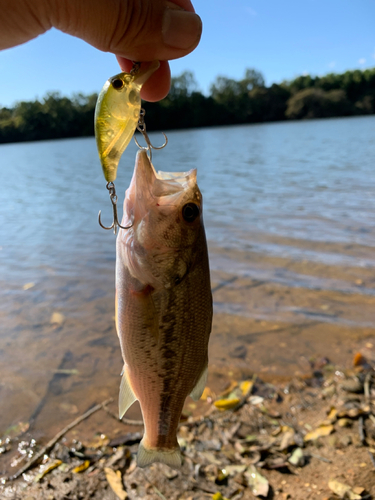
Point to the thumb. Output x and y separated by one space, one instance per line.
138 30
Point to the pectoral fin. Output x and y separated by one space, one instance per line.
127 396
197 392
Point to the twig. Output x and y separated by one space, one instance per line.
361 431
366 386
125 421
58 436
372 458
321 458
159 493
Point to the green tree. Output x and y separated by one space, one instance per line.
316 103
234 96
182 86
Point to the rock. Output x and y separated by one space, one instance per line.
345 441
328 392
239 352
352 385
57 319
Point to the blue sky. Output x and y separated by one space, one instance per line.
280 39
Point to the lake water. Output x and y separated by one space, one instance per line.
289 210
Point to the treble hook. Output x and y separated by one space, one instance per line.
141 127
113 196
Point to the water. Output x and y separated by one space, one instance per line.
289 211
310 180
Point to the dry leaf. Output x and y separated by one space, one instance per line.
231 470
226 404
99 441
256 400
345 422
82 467
246 387
257 483
297 458
229 389
218 496
331 417
358 490
324 430
115 482
66 371
207 394
358 359
28 285
343 490
45 469
287 440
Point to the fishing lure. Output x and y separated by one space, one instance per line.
117 115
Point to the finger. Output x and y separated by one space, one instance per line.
21 22
184 4
142 30
137 30
157 86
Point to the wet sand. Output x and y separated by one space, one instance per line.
272 315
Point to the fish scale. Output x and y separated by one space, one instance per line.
163 315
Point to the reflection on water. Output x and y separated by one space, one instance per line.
290 218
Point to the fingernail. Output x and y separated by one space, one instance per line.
181 29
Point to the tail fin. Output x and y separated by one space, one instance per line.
148 456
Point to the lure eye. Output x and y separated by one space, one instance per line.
190 212
117 84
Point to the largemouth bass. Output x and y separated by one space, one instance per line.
163 304
116 116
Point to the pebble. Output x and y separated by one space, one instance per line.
328 392
352 385
345 441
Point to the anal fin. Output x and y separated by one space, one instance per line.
197 392
127 396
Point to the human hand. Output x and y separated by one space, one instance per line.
134 30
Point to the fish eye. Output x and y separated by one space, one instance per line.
190 212
117 84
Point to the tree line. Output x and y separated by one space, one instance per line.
230 102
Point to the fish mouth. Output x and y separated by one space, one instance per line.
159 184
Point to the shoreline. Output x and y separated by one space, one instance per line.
304 438
264 323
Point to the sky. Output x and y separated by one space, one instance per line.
281 39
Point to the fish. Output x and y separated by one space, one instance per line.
116 116
163 304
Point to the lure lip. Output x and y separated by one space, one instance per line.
144 74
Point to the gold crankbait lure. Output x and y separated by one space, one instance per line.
116 115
